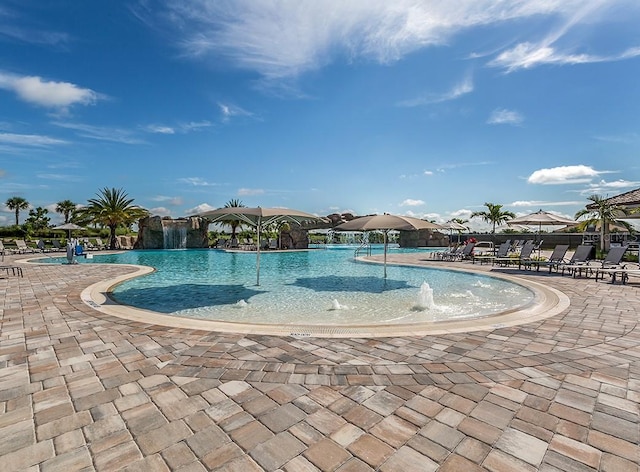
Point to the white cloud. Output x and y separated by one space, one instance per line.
540 203
200 209
102 133
564 175
411 202
160 129
288 38
229 111
48 94
463 88
428 172
59 177
160 211
196 182
602 187
243 192
30 140
173 201
503 116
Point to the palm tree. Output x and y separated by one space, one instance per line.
234 203
113 208
603 213
494 215
17 204
66 208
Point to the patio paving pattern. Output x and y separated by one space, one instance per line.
80 390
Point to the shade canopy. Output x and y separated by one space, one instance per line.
259 218
386 223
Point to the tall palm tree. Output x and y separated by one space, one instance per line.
234 203
17 204
494 215
603 213
66 208
113 208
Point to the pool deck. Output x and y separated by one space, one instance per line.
82 390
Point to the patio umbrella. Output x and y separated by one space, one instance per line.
454 226
259 218
69 227
541 218
386 223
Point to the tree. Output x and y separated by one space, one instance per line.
602 213
234 203
17 204
113 208
66 208
494 215
38 219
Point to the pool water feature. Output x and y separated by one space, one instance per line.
316 287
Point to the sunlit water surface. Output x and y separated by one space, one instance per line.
323 286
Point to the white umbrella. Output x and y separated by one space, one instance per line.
69 227
454 226
259 218
386 223
541 218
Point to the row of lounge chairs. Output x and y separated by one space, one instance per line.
580 264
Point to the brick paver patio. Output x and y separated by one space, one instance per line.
80 390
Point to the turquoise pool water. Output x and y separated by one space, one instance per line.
313 287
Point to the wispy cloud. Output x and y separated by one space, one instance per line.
173 201
579 174
285 39
457 91
47 93
160 211
229 111
244 192
457 165
102 133
196 182
529 54
59 177
541 203
181 128
199 209
603 187
30 140
15 26
503 116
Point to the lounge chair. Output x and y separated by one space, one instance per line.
522 259
466 253
612 261
100 245
580 258
57 246
622 271
446 253
503 251
556 257
15 270
42 246
22 246
273 244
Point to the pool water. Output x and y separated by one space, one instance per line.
322 286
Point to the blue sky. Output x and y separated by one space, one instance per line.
423 108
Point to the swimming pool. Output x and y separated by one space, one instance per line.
316 287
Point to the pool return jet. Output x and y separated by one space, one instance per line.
259 218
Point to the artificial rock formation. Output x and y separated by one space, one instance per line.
157 232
